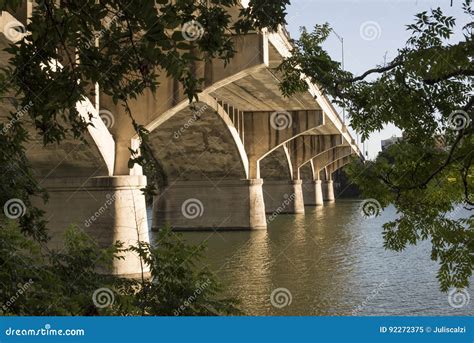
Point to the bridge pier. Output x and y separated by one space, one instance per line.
283 196
329 191
318 190
215 205
313 193
109 209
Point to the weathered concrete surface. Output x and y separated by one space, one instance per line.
338 164
196 145
313 193
329 156
276 166
109 209
303 149
301 158
283 196
328 191
267 131
215 205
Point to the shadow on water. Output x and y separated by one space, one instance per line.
330 261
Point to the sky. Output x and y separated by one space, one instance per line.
372 30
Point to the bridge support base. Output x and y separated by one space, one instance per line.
283 196
329 191
109 209
313 193
211 205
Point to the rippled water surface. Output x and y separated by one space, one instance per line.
332 261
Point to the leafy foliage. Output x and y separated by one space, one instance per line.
173 265
39 281
426 91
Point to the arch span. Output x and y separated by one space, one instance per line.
207 169
200 142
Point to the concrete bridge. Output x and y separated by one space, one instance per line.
242 151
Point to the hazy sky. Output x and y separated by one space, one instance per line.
371 30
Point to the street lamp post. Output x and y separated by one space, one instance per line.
341 39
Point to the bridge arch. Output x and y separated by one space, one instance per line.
201 141
203 155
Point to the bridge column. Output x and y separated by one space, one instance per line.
282 189
108 208
297 183
313 192
298 191
329 188
318 193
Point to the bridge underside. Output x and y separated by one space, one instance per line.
243 151
205 174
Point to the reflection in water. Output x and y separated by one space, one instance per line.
332 261
248 265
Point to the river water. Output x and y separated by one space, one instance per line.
330 261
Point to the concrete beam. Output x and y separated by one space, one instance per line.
267 131
337 164
281 47
304 148
328 157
